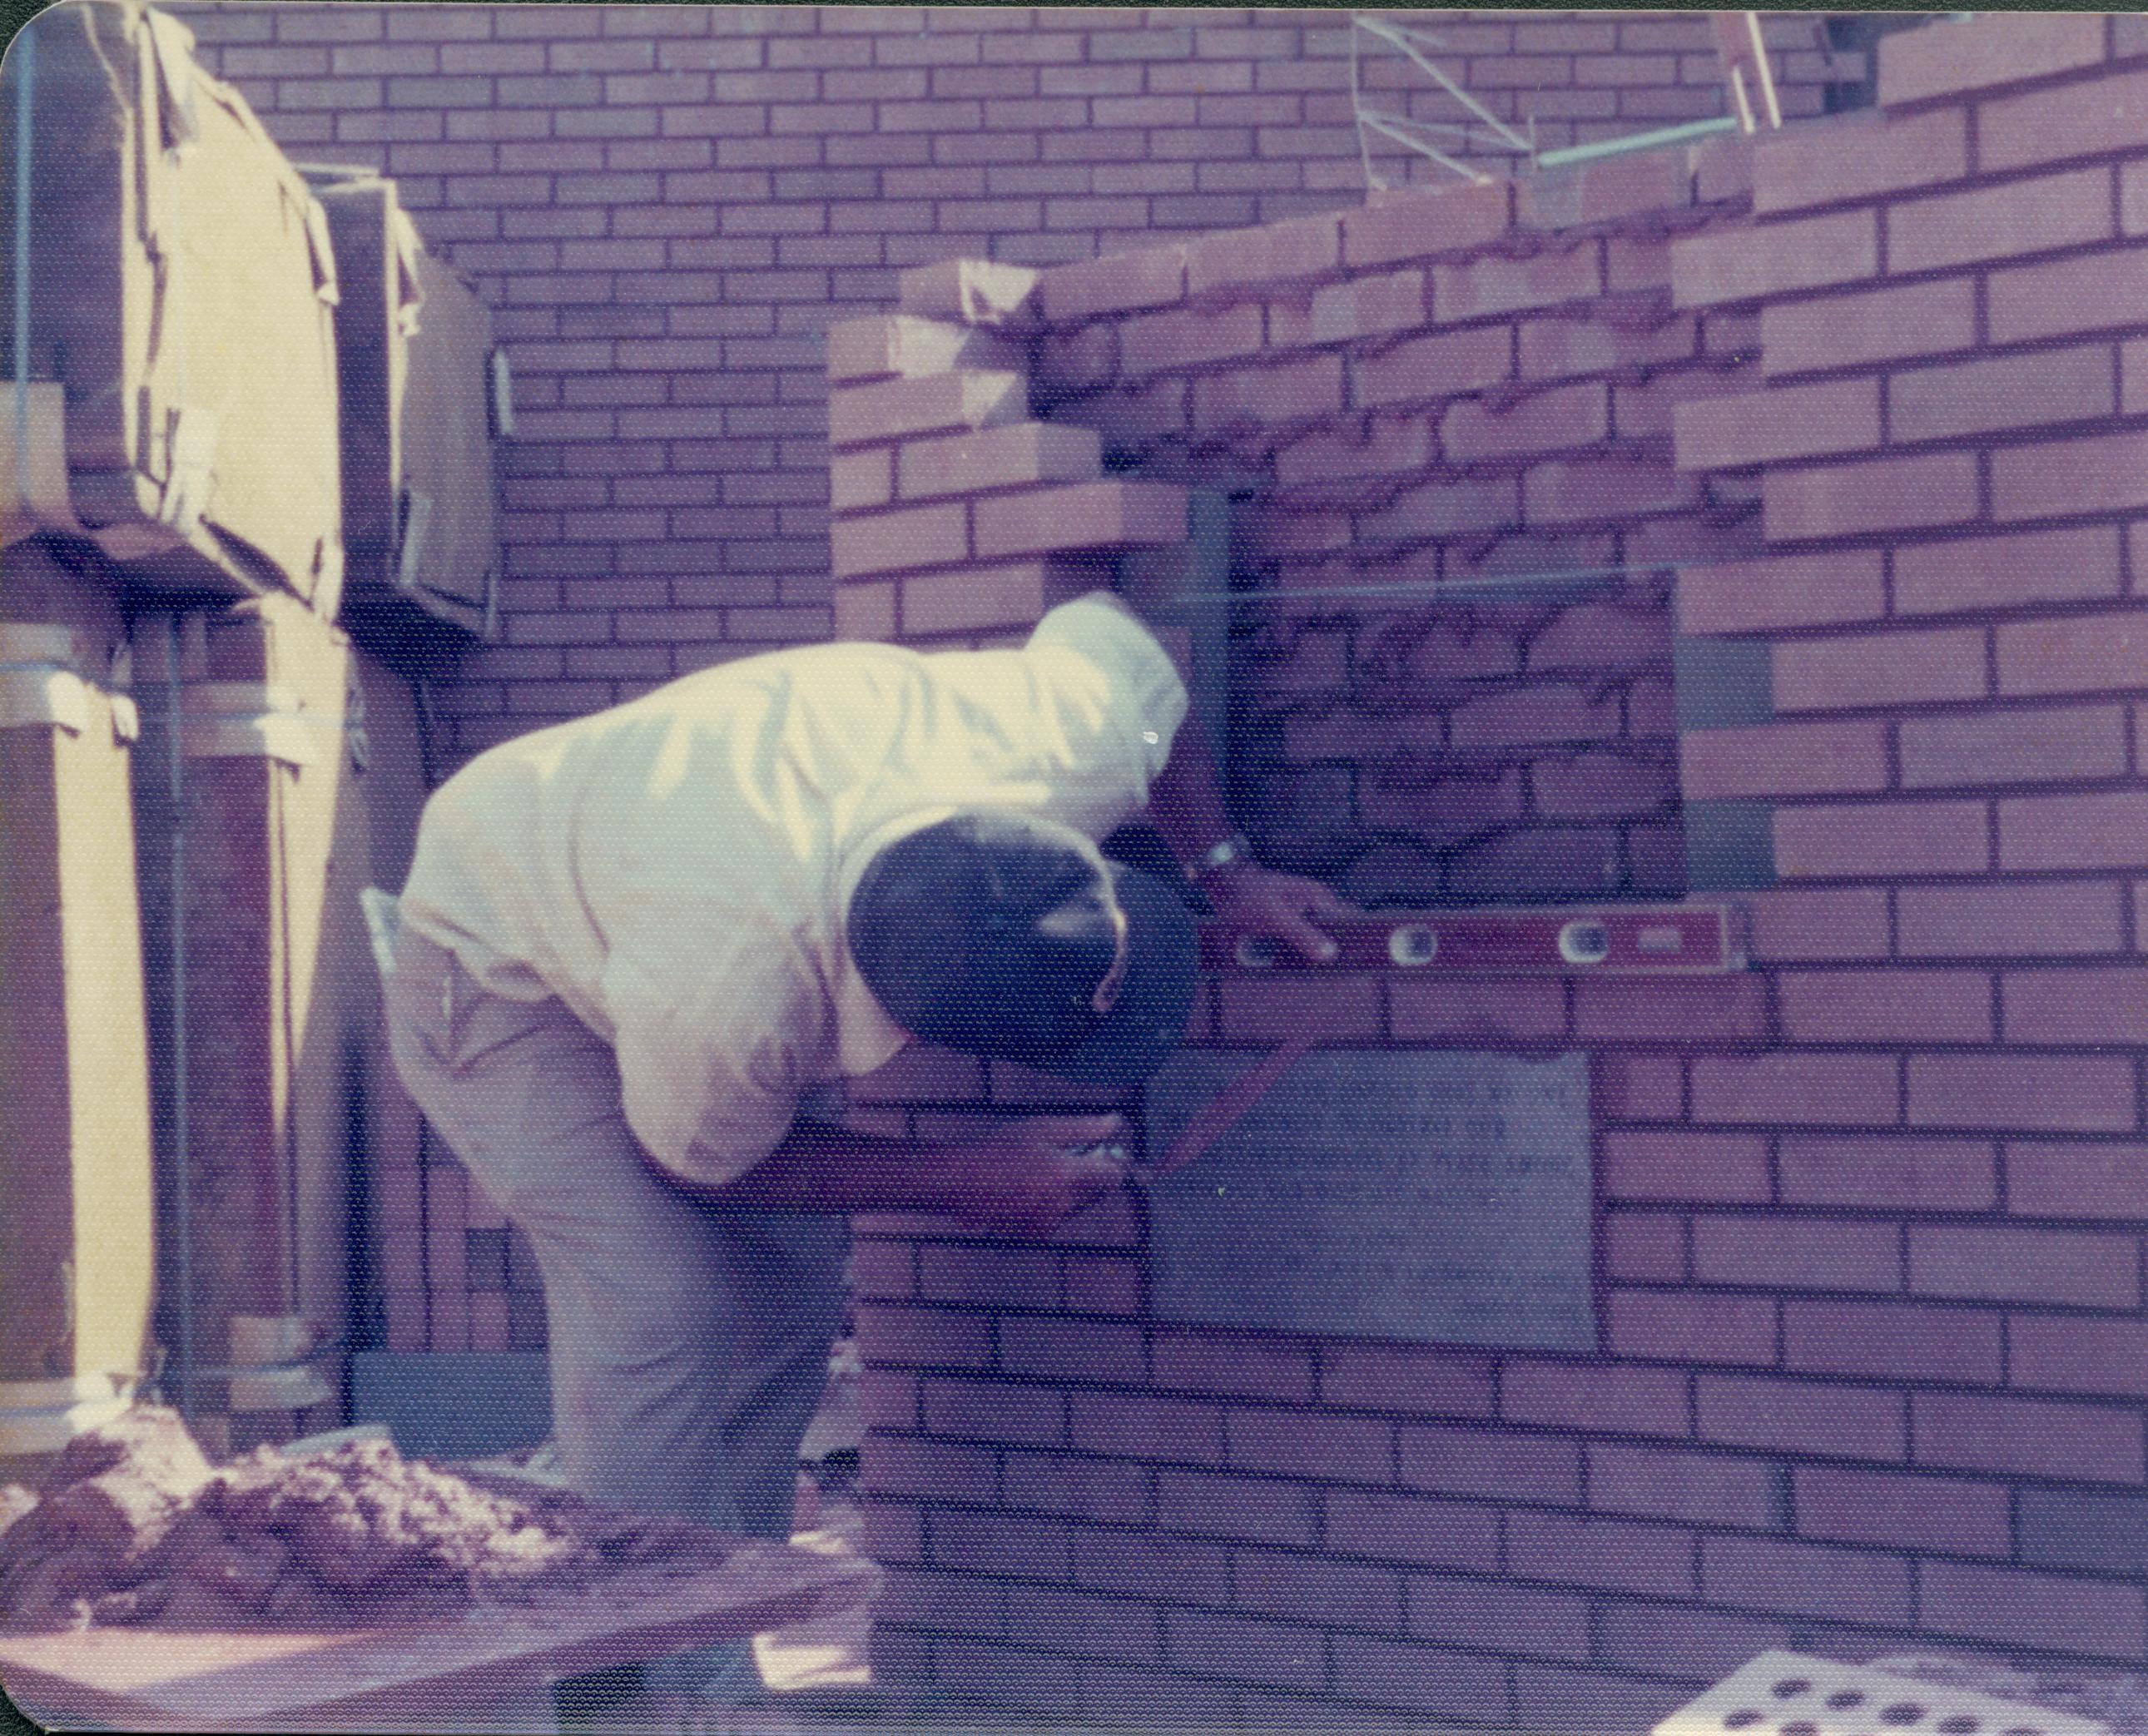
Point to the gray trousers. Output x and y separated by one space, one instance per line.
689 1342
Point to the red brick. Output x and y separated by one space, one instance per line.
1307 1443
1436 366
1070 1349
1421 1009
1889 1172
1856 161
2028 1436
997 1542
1256 1509
1776 260
1678 1163
1828 1417
1619 1555
995 1411
1725 1010
1645 1247
1270 1582
1239 1364
2077 654
1885 495
1887 1006
2065 565
888 541
1430 1533
1303 247
2022 217
1476 1459
1361 307
1081 515
1610 1398
2087 293
1113 1627
2048 745
2070 1354
1491 1617
1784 421
1943 1514
1997 49
1419 223
2015 1262
1293 392
2046 1093
926 405
1809 1580
1605 489
1878 839
2073 120
2104 830
2010 1608
1876 325
1659 1326
1406 1379
1493 285
1151 278
1640 1087
1547 421
2014 391
1892 1341
1800 1088
1149 1563
1791 590
2099 1181
1797 1253
1785 759
1690 1488
1815 923
1185 337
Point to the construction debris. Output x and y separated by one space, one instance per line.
134 1527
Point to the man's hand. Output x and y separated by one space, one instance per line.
1257 900
1024 1180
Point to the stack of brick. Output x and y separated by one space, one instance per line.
1871 1215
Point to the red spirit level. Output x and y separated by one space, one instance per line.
1661 939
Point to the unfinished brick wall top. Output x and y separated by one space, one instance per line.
1871 1213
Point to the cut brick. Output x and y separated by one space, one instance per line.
1778 259
1900 493
893 409
2017 391
903 344
1302 246
1997 49
1825 165
1023 452
1492 285
1418 225
1786 422
2022 217
2079 119
971 292
1993 572
1877 325
1087 516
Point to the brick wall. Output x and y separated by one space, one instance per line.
1871 1213
667 206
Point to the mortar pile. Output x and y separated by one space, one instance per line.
133 1527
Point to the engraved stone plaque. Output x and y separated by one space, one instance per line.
1421 1195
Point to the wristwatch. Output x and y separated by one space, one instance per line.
1219 856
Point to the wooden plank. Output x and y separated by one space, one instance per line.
388 1678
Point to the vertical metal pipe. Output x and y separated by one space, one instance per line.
182 1179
